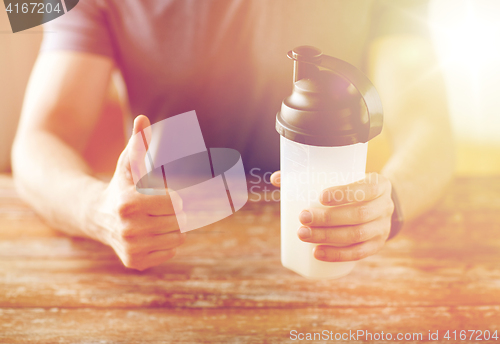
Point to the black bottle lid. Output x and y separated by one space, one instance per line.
335 106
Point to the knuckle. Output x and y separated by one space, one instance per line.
337 256
322 235
130 247
125 206
357 234
126 231
133 262
176 240
171 253
128 262
325 216
363 213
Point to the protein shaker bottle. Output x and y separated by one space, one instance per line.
325 126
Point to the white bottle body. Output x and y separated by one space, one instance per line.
305 172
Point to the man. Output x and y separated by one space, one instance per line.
226 60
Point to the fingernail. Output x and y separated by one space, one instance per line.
319 253
305 217
304 232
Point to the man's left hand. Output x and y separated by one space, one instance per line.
356 222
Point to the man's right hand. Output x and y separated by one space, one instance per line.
62 106
142 229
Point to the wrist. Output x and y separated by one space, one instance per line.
397 219
93 214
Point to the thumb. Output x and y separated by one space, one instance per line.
135 159
141 122
276 178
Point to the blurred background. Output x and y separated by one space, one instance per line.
466 36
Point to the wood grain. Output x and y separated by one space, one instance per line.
442 271
164 325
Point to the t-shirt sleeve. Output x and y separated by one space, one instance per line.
396 17
85 28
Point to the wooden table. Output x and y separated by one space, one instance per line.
227 284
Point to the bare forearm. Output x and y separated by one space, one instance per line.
62 105
407 77
55 180
421 167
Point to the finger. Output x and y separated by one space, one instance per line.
149 243
349 214
349 253
276 179
151 259
154 225
137 148
141 122
168 203
166 241
157 257
372 186
344 235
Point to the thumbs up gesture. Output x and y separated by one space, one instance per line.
142 229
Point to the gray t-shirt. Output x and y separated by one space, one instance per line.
225 59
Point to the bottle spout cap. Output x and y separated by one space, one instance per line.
311 57
328 120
